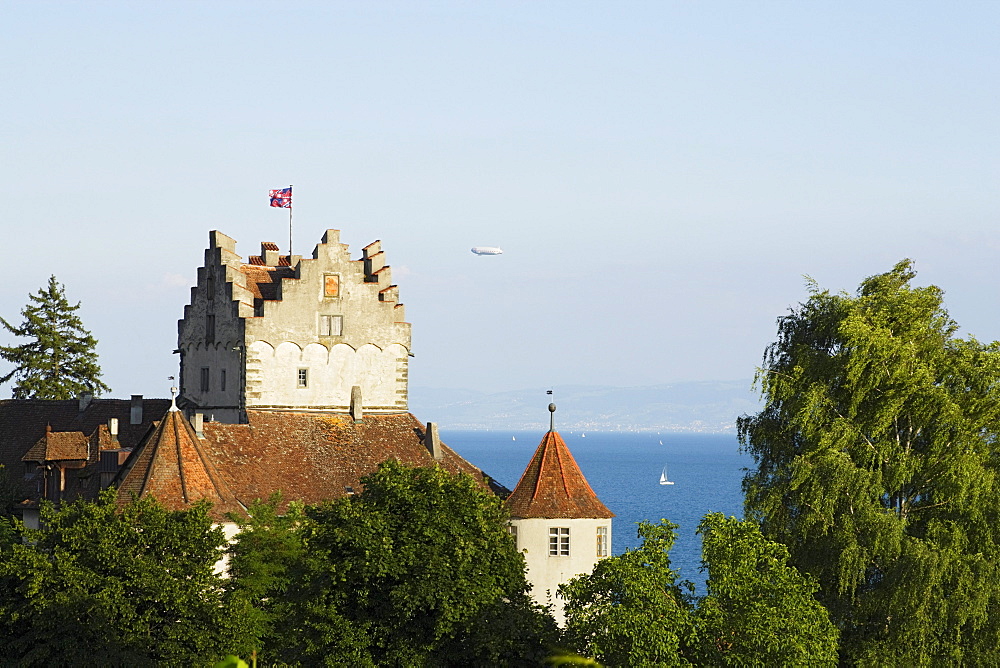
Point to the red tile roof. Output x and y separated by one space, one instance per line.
264 281
58 445
554 487
313 457
172 466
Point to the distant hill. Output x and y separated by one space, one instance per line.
704 406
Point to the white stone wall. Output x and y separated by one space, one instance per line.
331 372
546 572
262 345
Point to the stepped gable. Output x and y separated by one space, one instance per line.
171 465
554 487
314 456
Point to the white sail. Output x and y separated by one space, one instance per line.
663 477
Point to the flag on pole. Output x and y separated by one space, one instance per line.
282 198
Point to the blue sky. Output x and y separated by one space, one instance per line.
660 174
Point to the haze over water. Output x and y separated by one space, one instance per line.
624 471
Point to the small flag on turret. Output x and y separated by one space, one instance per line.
282 198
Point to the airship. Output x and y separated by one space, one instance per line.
487 250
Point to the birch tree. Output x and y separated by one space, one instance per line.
876 464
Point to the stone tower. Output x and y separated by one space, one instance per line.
557 521
279 332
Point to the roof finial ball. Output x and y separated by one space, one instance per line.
552 417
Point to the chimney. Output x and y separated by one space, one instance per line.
113 427
356 411
85 398
198 422
136 416
432 441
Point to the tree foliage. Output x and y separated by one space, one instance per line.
876 465
60 359
758 611
417 569
100 587
631 610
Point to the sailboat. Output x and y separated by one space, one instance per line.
663 478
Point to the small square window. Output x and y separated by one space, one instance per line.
205 378
559 542
303 378
331 325
602 541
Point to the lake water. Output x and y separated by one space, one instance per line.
624 470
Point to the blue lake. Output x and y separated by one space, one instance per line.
624 470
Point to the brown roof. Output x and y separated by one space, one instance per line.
554 487
264 281
58 445
313 457
172 466
23 423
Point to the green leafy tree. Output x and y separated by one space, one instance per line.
417 569
269 549
759 611
60 359
876 464
99 586
631 610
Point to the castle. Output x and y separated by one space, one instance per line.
293 377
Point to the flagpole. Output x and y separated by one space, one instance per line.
289 225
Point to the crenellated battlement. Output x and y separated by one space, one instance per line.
287 332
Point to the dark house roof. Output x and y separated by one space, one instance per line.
32 428
554 487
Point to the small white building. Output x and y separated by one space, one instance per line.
557 520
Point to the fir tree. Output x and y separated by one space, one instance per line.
60 359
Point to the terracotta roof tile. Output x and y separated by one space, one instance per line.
58 445
264 281
172 466
314 457
554 487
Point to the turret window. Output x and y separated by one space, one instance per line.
303 378
602 541
559 542
513 533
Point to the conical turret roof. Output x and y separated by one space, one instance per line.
553 486
171 465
